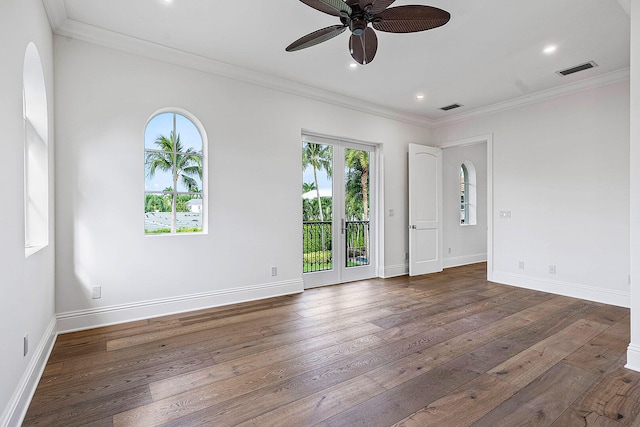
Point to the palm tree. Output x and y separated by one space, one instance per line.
358 163
318 157
183 164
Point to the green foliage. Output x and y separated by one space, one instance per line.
189 230
313 234
156 203
317 261
158 231
311 212
184 165
179 230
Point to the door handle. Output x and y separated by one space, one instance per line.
342 226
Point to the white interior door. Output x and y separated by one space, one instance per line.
339 245
425 210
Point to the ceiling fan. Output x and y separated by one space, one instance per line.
358 14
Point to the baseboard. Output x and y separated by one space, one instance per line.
17 408
574 290
464 260
105 316
633 357
395 270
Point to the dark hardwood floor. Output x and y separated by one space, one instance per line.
448 349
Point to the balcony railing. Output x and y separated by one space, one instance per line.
318 249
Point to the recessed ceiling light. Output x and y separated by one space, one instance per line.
550 49
167 1
419 97
353 65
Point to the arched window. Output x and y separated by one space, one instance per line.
175 174
36 153
468 194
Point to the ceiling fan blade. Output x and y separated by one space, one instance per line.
410 19
316 37
332 7
363 48
377 6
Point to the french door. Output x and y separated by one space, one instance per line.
338 207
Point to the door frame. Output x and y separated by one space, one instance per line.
375 196
488 139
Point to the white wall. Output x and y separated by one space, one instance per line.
104 98
561 167
464 244
26 284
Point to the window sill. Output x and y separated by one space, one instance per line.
31 250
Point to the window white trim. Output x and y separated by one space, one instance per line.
36 153
468 194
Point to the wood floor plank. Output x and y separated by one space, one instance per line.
231 375
523 368
542 401
447 349
603 351
463 406
319 406
215 405
409 397
613 399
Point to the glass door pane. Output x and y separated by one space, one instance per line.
357 196
317 207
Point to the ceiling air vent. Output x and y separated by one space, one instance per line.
451 107
577 68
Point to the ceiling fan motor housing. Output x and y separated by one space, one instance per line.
357 26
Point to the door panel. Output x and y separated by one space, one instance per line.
425 209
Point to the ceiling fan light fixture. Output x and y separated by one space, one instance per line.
357 27
356 15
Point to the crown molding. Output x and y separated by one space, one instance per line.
65 27
56 13
534 98
626 5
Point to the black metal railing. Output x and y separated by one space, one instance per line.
357 243
316 246
318 249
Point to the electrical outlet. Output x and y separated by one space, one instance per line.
552 269
274 271
96 292
406 256
25 345
449 251
521 265
505 214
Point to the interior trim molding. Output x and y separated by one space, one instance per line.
104 316
633 357
395 270
464 260
567 89
16 409
99 36
573 290
63 26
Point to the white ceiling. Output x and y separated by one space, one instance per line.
490 52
